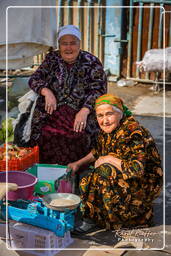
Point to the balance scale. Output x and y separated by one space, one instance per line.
40 213
36 214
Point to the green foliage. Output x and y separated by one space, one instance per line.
10 131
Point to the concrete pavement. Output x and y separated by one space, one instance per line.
148 109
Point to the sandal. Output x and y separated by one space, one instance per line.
85 228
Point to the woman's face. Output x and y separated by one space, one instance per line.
108 119
69 47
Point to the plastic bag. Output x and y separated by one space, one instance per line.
65 184
22 126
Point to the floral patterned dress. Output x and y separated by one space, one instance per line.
114 198
74 86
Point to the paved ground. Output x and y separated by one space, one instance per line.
148 108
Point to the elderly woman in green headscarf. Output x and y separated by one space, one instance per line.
127 174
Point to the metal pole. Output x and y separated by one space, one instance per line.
150 31
170 30
79 13
69 3
153 1
121 43
81 21
59 14
89 25
160 36
99 29
130 40
139 44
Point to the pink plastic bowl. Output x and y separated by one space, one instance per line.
25 182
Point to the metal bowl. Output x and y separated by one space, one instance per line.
61 201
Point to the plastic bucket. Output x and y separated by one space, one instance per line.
25 182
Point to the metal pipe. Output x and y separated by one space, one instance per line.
111 35
120 50
81 21
139 44
69 3
14 76
89 25
141 80
150 31
130 39
59 14
153 1
79 13
160 36
99 28
170 31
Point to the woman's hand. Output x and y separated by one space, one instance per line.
81 120
50 100
109 159
74 167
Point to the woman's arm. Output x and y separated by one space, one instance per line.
75 166
50 100
97 85
37 80
39 84
132 159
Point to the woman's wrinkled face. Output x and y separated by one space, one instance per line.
108 119
69 47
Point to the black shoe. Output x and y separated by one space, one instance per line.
84 228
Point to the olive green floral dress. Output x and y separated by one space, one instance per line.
114 198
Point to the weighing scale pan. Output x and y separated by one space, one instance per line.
61 201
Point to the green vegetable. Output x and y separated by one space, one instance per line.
10 131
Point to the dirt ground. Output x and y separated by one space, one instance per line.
130 94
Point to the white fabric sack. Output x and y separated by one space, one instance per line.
31 31
155 60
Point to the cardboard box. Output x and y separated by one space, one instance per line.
47 175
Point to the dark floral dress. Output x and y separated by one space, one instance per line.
75 86
115 198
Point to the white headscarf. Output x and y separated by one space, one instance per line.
69 30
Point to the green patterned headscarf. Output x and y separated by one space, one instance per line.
114 101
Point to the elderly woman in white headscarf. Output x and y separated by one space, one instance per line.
68 82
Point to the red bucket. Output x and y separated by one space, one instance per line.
25 182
